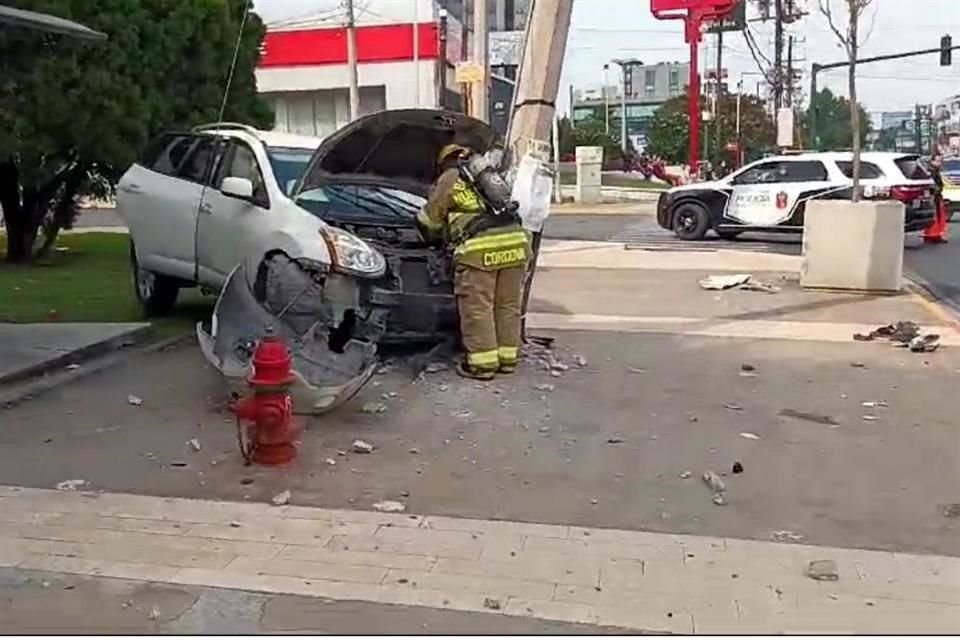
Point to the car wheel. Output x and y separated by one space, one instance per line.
156 293
690 221
729 235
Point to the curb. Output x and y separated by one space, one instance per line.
927 296
77 356
27 389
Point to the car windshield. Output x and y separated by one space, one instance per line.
362 203
288 164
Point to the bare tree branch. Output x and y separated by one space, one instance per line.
827 10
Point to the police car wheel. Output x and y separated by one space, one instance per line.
690 221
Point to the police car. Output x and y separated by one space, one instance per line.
770 195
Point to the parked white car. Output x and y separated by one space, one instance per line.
197 203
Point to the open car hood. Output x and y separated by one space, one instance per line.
398 146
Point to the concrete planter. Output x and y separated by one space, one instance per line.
856 246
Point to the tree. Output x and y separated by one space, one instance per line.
849 36
74 116
669 131
589 132
832 113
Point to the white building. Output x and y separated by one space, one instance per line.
406 52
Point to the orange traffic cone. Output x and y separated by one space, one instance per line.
938 230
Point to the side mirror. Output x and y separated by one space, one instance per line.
240 188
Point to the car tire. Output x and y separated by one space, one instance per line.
157 294
729 235
690 221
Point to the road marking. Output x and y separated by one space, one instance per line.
633 579
718 327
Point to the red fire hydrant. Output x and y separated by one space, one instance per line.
271 432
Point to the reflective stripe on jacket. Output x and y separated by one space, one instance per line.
452 206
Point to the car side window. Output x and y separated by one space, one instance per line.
167 153
805 171
763 173
242 163
868 170
200 163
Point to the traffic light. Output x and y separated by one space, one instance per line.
946 51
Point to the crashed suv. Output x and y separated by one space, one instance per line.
366 183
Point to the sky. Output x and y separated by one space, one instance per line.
605 29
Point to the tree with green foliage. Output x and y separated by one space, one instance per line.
75 115
669 134
834 132
589 132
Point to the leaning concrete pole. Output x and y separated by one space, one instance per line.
535 98
534 102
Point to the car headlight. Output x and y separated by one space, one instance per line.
352 255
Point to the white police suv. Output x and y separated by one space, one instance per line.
770 195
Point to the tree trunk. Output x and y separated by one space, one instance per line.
853 49
14 215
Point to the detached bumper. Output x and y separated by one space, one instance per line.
331 337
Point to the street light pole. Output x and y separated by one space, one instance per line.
623 64
606 99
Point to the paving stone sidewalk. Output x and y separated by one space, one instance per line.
631 579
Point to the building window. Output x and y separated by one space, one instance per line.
674 82
650 82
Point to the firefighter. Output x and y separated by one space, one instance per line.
490 255
938 230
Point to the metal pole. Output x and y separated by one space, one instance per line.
606 99
693 153
352 63
623 110
719 93
557 195
778 57
814 69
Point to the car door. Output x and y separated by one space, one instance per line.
230 229
774 192
160 207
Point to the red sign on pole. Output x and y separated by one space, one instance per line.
694 13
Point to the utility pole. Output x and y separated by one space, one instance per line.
790 72
778 56
918 129
352 62
479 94
606 99
538 82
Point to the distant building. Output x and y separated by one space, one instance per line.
946 115
647 87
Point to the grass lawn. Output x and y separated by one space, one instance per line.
87 279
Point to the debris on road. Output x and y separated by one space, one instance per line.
389 506
722 282
71 485
716 484
180 464
720 499
235 524
747 367
905 334
134 400
952 510
737 467
491 603
195 444
733 406
594 501
331 462
414 450
154 613
615 440
858 365
685 475
636 370
544 386
72 367
436 367
809 417
749 436
580 360
281 498
786 536
757 285
362 446
374 407
869 418
823 570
